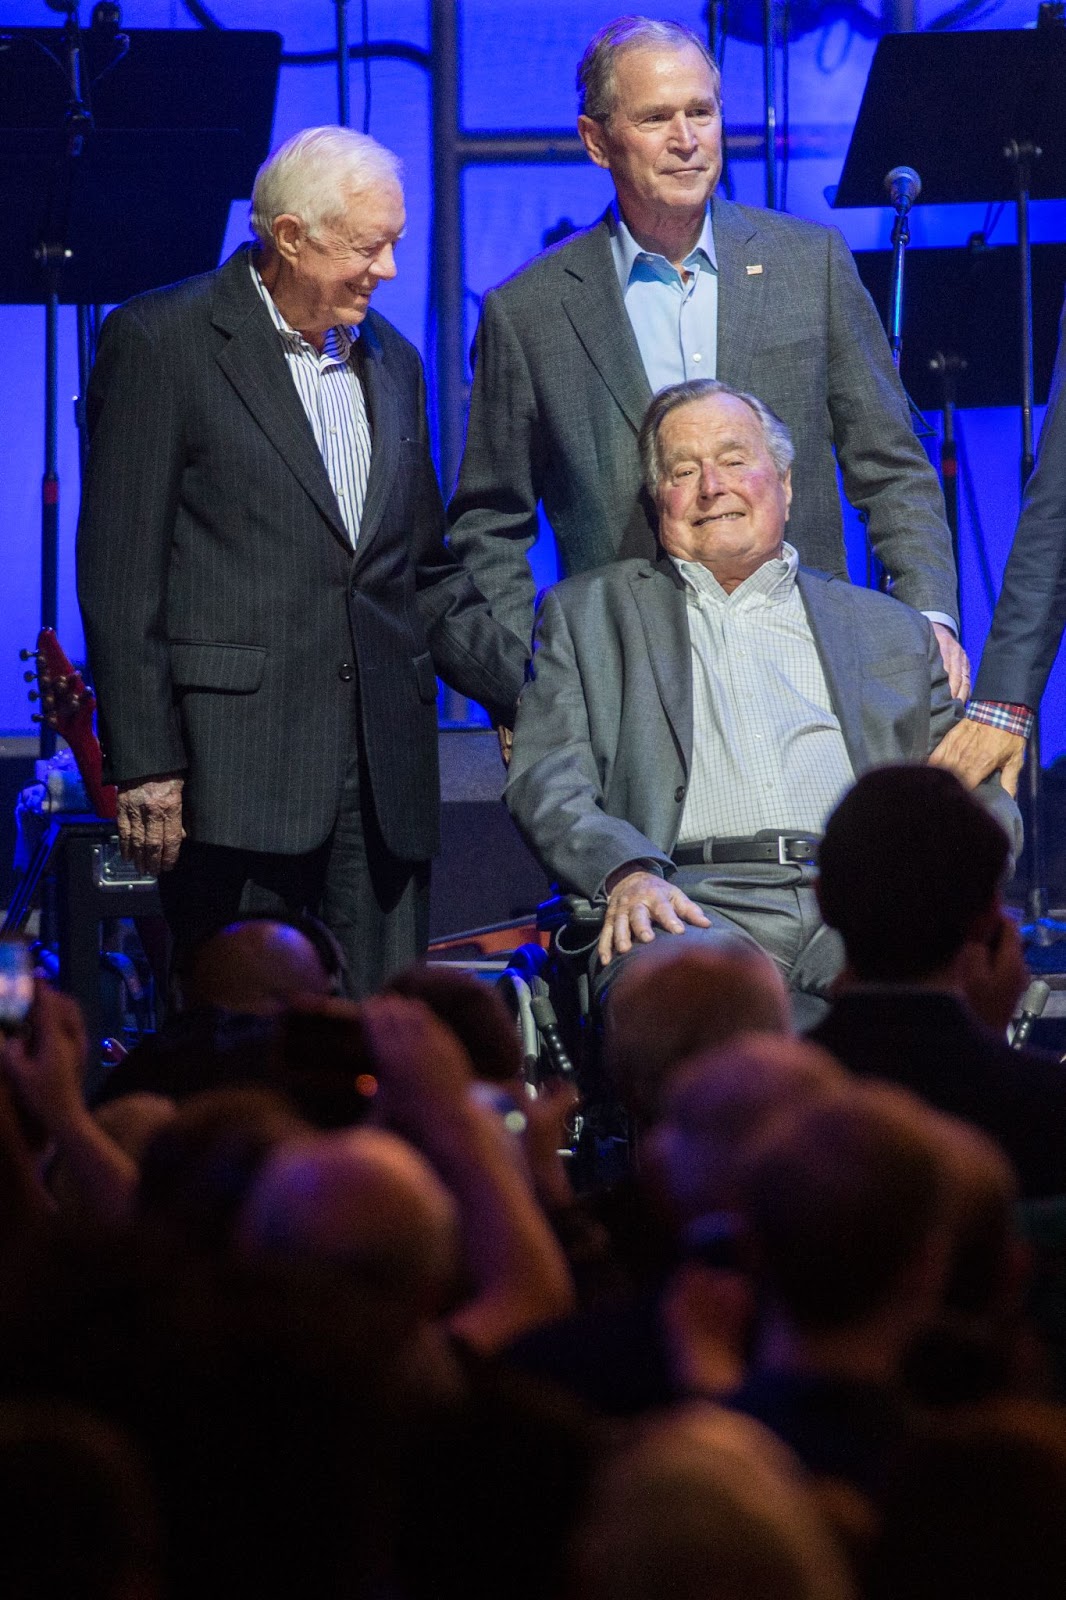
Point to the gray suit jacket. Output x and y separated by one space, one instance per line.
232 633
603 740
1030 613
560 392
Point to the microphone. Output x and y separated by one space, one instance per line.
903 186
1034 1000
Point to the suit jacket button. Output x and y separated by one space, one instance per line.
344 672
679 793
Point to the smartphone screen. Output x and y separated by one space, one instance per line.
16 986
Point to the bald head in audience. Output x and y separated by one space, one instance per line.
257 967
719 1103
361 1197
706 1503
668 1004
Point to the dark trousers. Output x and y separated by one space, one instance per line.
376 905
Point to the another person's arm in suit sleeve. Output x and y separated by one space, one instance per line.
555 795
472 651
125 533
492 517
944 714
1029 617
887 474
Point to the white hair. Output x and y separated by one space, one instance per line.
313 174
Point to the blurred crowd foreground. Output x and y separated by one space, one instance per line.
309 1302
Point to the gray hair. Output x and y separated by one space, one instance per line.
596 90
778 439
312 175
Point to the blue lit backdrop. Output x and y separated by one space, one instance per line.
518 62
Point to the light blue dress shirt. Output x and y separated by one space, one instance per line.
675 319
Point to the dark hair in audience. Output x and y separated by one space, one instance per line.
472 1010
596 69
197 1170
908 861
841 1200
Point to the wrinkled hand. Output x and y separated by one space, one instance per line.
48 1074
974 750
149 823
506 738
956 661
637 902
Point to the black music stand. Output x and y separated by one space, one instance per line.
119 157
961 344
980 117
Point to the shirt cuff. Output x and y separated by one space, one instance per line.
1002 714
942 616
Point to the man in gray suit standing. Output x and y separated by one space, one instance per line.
693 720
671 285
263 576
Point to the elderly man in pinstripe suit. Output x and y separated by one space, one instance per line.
692 721
266 591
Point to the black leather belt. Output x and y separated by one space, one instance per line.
785 849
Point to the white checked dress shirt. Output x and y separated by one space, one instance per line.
332 396
767 750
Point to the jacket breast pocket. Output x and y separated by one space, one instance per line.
228 668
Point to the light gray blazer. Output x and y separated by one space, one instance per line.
603 740
560 392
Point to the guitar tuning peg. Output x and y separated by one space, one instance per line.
34 695
29 677
27 655
61 682
36 717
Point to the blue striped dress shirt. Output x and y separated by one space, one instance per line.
332 396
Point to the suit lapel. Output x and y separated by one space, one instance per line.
659 595
593 302
382 405
832 621
253 361
741 295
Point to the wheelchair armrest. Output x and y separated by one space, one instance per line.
570 910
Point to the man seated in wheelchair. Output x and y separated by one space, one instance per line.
691 721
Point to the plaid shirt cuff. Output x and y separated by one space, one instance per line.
999 714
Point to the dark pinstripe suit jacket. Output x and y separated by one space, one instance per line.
223 607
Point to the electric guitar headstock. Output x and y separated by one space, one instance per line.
67 707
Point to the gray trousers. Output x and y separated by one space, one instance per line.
774 907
